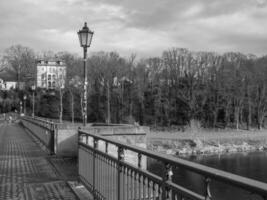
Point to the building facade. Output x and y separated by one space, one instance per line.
51 74
9 85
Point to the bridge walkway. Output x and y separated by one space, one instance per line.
28 172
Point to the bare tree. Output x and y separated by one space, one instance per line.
21 61
60 79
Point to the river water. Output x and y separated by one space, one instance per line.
252 165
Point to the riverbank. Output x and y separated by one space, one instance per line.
205 141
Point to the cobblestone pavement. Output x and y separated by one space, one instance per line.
25 170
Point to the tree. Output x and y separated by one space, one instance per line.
21 62
74 66
60 79
105 69
260 90
74 87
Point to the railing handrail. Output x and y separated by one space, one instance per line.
44 120
226 177
49 122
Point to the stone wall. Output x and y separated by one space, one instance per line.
67 142
128 134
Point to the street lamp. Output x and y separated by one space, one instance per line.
24 101
33 99
85 37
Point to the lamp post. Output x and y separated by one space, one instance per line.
85 37
33 99
24 101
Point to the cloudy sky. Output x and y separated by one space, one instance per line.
145 27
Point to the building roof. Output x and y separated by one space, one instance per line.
51 62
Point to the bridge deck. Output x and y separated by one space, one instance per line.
27 172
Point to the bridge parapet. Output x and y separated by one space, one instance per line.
110 176
58 138
62 138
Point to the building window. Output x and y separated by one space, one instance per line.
43 76
49 77
49 84
54 84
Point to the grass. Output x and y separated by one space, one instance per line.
207 140
209 134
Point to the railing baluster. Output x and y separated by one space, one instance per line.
148 189
120 158
167 177
135 186
116 179
96 175
100 166
91 164
124 186
106 170
103 171
139 186
114 191
139 164
132 183
95 143
144 187
207 189
111 182
155 193
160 192
125 183
110 189
129 184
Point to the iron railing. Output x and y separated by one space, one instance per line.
103 169
48 134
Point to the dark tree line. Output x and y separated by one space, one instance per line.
178 88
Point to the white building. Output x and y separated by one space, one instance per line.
2 84
8 85
51 74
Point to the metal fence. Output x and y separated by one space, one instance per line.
43 130
105 172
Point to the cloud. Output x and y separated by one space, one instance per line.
144 27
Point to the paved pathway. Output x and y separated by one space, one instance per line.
25 170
